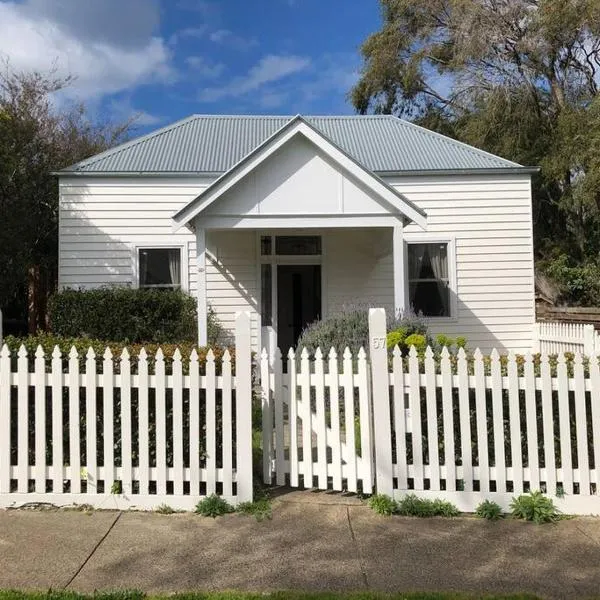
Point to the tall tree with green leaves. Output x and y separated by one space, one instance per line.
37 137
518 78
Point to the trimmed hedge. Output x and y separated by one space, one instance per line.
124 314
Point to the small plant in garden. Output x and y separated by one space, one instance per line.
535 507
165 509
116 488
383 504
261 509
461 342
418 341
489 510
396 338
213 506
413 506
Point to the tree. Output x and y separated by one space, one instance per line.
518 78
37 137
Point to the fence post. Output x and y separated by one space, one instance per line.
588 339
381 402
536 346
243 401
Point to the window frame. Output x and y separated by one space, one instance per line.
182 246
451 254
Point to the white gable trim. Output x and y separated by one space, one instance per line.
298 127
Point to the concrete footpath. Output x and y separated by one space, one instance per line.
315 541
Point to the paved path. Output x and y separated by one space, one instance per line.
315 541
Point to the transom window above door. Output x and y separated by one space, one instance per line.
290 245
159 268
428 279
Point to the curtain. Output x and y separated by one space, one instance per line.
174 267
416 254
438 257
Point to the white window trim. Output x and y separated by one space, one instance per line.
182 246
452 286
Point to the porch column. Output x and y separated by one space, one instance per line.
400 282
201 293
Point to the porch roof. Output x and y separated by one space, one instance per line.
300 126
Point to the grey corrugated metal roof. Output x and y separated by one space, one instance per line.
214 143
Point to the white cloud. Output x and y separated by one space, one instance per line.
228 38
269 69
122 110
205 68
36 39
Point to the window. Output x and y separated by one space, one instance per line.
159 268
428 281
291 245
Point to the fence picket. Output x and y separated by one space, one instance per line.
195 423
293 410
334 403
307 458
211 424
448 420
126 446
40 421
23 421
365 419
57 422
399 418
278 410
564 425
533 461
465 422
595 403
5 420
227 426
498 422
432 421
583 463
91 471
177 423
108 419
143 424
161 424
74 417
483 459
348 383
415 412
548 425
321 425
514 414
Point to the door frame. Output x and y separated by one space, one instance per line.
270 333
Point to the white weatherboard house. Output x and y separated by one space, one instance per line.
293 218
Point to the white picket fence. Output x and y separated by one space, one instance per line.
155 437
552 338
446 427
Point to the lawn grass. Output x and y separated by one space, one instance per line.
283 595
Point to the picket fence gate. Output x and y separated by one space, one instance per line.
555 337
448 427
156 437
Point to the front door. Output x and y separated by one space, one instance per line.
298 301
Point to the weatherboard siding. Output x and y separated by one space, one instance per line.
489 218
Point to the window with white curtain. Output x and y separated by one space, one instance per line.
428 279
159 268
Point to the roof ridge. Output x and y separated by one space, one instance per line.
449 140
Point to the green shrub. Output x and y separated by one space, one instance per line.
351 328
444 341
535 507
489 510
383 504
418 341
396 338
213 506
261 509
579 283
413 506
128 315
461 342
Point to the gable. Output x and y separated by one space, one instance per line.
299 179
298 162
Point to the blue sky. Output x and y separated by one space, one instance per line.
165 59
